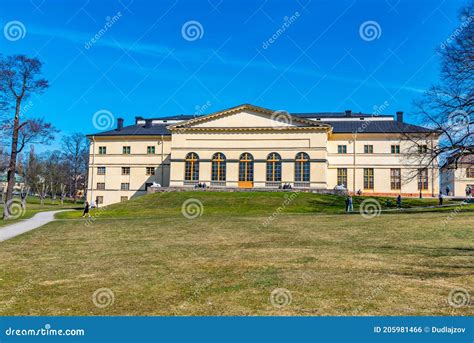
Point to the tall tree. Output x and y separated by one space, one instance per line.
75 149
20 79
448 107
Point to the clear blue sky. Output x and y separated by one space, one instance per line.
143 66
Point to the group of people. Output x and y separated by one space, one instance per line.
350 203
468 190
285 186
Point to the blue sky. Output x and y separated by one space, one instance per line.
143 64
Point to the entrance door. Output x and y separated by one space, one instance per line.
246 170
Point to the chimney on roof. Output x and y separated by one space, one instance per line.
400 116
119 124
148 123
348 113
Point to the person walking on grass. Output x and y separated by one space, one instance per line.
440 198
399 201
86 210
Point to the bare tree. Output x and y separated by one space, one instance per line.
63 192
447 108
75 149
19 79
24 191
42 188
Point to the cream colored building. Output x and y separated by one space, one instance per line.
458 178
253 147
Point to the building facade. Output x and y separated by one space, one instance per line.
252 147
457 177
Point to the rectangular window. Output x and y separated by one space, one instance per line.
368 178
125 170
368 149
122 199
342 149
395 178
124 186
342 177
100 170
422 178
422 149
150 150
395 149
126 150
99 200
102 150
470 172
100 185
150 170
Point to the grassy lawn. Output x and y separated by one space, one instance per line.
33 207
228 260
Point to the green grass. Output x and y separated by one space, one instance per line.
243 203
226 262
34 206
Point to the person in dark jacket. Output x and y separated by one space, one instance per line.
399 201
86 210
440 198
347 204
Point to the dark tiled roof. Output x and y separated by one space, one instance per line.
382 126
338 115
137 130
301 115
375 126
178 117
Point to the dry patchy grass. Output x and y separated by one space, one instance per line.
228 265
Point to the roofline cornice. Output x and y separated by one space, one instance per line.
237 109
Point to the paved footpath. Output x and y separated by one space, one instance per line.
39 219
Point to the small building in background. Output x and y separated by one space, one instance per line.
19 183
457 178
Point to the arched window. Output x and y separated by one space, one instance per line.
302 167
218 167
191 169
246 167
273 167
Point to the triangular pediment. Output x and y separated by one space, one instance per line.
247 116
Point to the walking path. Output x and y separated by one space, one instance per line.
39 219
